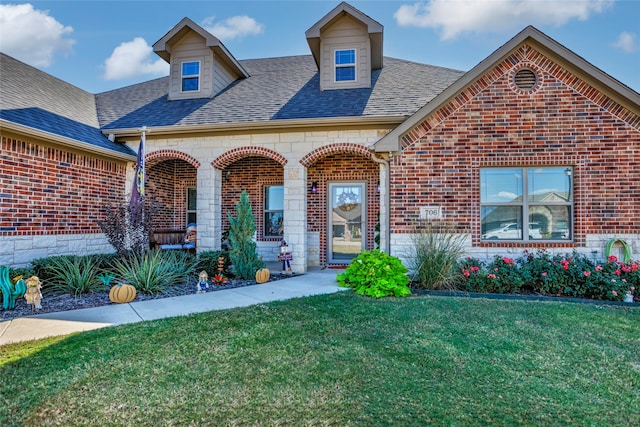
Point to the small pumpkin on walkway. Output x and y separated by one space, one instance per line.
262 275
122 293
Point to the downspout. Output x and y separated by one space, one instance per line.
385 217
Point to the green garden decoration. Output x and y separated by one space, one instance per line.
625 246
10 291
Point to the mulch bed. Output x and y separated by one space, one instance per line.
65 302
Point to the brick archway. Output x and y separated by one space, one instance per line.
236 154
161 155
327 150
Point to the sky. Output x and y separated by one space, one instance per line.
104 45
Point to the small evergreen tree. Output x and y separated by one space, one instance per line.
242 247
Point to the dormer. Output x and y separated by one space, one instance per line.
347 46
200 65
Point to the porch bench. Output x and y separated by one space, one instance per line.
170 240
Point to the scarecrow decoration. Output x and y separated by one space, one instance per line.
33 295
285 256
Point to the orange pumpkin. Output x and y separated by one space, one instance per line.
122 293
262 275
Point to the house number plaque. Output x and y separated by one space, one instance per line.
431 212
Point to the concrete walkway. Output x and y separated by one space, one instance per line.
314 282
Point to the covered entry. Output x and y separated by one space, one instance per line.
347 221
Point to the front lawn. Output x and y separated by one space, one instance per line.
339 360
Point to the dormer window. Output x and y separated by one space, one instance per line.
191 76
345 65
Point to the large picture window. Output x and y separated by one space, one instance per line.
191 76
273 211
345 65
526 204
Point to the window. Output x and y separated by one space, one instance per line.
345 65
191 76
273 211
191 205
539 197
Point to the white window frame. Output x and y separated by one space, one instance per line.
190 76
191 211
266 211
348 65
525 205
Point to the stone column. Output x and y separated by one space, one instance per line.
209 209
295 214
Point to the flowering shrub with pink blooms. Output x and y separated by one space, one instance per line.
540 272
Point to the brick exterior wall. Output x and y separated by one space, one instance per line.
48 190
252 174
167 183
563 121
341 167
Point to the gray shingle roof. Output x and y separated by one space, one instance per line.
277 89
32 98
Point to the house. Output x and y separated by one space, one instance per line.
328 145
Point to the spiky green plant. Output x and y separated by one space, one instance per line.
153 271
72 275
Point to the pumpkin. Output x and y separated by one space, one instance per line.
122 293
262 275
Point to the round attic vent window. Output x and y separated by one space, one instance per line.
525 79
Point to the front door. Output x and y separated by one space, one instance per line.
347 221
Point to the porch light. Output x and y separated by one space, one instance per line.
227 175
378 186
314 187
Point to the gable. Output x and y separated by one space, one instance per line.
555 66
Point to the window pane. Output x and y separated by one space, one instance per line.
274 198
191 218
549 185
550 222
273 224
190 84
345 74
191 199
345 56
190 68
500 185
501 222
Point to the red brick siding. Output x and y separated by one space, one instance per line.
563 122
167 183
341 167
53 191
252 174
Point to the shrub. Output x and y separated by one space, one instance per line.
72 275
154 270
242 247
573 275
128 230
436 251
376 274
208 261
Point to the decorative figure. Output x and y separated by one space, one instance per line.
219 278
33 295
203 282
190 237
285 256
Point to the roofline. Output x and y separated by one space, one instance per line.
630 98
386 121
67 142
211 41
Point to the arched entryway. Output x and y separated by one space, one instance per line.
343 201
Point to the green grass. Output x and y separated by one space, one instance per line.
338 360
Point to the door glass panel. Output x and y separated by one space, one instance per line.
346 222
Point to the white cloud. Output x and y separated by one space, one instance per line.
32 35
133 59
234 27
453 18
626 42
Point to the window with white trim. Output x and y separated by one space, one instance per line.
540 197
190 76
345 62
273 211
191 205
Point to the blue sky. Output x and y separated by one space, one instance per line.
104 45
